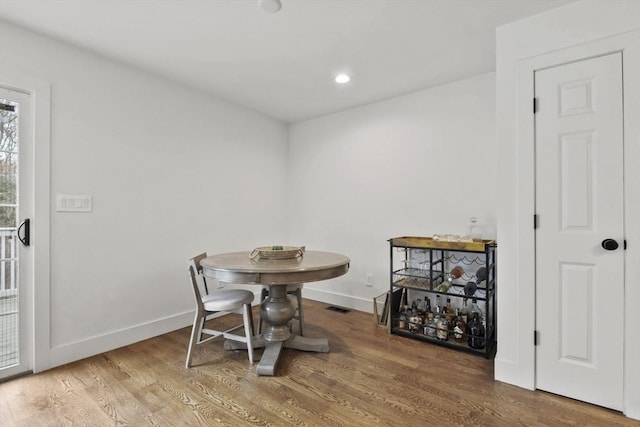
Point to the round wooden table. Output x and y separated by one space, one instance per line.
277 309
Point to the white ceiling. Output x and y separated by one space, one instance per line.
283 64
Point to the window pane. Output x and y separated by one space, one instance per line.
8 129
7 216
8 171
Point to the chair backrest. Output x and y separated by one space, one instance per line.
195 271
197 268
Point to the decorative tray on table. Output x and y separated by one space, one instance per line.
277 252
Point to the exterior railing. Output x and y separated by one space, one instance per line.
8 261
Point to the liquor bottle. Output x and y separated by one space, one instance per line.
448 305
476 308
430 325
451 314
414 323
403 319
460 327
464 312
420 313
414 318
442 327
437 312
475 332
427 305
436 320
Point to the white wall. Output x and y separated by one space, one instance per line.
172 172
418 164
577 25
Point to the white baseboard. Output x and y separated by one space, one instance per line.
71 352
341 300
632 413
505 371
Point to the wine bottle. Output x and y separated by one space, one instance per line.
457 272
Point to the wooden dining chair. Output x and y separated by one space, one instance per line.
295 290
217 304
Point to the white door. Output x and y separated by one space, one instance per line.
16 254
579 202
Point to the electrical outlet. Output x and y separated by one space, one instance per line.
369 282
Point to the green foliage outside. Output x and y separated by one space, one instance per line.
8 165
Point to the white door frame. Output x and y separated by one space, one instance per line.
40 93
629 44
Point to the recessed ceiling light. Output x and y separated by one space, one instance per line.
343 78
270 6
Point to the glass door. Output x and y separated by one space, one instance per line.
15 334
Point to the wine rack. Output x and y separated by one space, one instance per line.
424 268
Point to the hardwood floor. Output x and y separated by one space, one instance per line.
368 378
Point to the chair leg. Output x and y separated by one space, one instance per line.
251 322
196 332
247 316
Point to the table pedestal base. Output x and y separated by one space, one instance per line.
272 350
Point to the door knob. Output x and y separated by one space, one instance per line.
609 244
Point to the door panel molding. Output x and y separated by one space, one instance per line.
577 180
577 315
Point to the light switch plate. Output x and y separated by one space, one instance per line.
73 203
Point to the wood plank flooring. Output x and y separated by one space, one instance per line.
368 378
